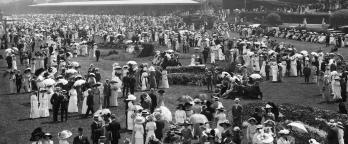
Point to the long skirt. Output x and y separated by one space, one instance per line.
72 107
293 70
130 122
113 98
84 106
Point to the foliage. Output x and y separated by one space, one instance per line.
339 18
315 18
148 50
273 19
187 69
185 78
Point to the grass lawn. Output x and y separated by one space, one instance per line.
15 126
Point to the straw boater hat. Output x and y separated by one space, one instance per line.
131 97
64 134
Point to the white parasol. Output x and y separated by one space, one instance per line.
49 82
71 71
255 76
314 54
8 51
62 81
132 62
298 127
15 48
304 52
79 82
75 64
166 113
297 55
198 118
102 112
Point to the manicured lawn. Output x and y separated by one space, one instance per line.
15 127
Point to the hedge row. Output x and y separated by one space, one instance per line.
185 78
187 69
315 18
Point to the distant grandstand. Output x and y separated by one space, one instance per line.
143 7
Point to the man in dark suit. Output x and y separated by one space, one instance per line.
96 128
90 103
153 97
55 101
126 82
64 105
160 125
80 139
132 82
107 93
114 127
306 73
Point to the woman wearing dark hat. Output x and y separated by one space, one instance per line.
36 135
226 134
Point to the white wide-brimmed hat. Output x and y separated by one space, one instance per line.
64 134
131 97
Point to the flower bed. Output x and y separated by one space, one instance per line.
187 69
310 116
185 78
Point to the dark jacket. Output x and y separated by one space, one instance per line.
114 127
306 71
90 101
96 129
55 100
77 140
107 90
153 100
160 129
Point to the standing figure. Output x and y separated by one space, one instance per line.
107 93
306 73
18 80
80 139
34 106
96 97
139 130
274 67
55 101
153 97
115 128
126 85
150 128
164 83
336 87
43 108
84 101
90 103
64 106
293 66
152 78
144 80
221 117
72 107
130 111
26 80
237 111
96 129
114 88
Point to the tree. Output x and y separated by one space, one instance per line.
273 19
339 18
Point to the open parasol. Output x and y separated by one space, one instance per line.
71 71
255 76
49 82
62 81
304 52
166 113
132 62
198 118
102 112
185 99
75 64
298 127
79 82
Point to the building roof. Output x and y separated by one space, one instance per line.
119 3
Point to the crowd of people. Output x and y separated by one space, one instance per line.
47 44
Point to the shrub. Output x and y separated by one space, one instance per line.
148 50
185 78
187 69
339 18
273 19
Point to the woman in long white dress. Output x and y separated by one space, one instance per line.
263 69
256 63
34 103
139 130
84 103
212 54
336 87
14 62
221 117
164 82
130 111
180 114
293 66
150 128
283 65
72 107
49 92
274 68
144 81
114 92
43 108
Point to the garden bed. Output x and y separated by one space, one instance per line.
187 69
310 116
186 79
